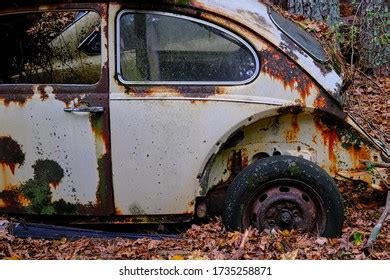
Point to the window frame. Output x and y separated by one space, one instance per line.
192 19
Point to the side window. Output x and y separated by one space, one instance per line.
163 48
50 47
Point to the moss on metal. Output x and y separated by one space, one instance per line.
101 194
38 189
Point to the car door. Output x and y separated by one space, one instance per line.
167 113
54 140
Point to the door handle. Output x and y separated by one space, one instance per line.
84 109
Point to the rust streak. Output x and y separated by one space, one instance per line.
43 93
244 158
5 175
330 139
174 91
292 133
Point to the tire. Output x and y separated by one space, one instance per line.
284 192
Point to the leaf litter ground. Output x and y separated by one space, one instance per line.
212 241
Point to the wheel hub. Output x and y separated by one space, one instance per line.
285 207
285 219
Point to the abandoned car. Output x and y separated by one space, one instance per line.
159 112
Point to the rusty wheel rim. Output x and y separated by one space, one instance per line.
285 205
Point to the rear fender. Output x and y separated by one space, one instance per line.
332 140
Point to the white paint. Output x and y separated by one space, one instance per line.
45 132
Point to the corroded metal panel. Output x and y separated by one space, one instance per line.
331 143
53 161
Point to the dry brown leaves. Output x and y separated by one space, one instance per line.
369 102
212 241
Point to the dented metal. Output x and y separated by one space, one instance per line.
148 152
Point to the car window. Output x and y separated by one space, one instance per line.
299 36
165 48
50 47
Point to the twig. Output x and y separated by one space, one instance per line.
376 230
376 164
372 80
240 251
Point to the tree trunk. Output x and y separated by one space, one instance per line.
324 10
374 33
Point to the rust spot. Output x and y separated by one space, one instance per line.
199 101
10 155
118 212
23 201
279 67
320 102
219 90
9 200
358 154
292 133
244 158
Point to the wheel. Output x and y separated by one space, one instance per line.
284 192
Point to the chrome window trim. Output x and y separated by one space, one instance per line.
228 83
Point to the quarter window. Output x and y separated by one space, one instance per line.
163 48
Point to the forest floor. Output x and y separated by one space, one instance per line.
212 241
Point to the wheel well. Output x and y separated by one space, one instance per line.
335 146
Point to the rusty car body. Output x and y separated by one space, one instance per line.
108 144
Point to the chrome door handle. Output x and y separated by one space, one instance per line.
84 109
